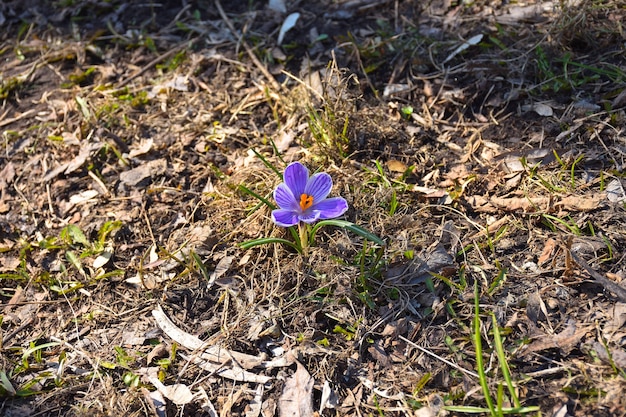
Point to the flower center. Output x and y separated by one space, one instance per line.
306 201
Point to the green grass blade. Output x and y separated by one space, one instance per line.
571 227
201 267
466 409
267 240
268 164
480 368
446 281
482 410
5 383
348 226
277 152
500 399
504 366
268 203
34 349
264 200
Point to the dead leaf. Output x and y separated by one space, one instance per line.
516 15
216 354
615 191
616 356
232 399
255 405
179 394
512 161
149 280
226 369
329 397
457 172
536 308
296 399
277 6
7 262
541 109
565 341
548 250
159 351
474 40
379 354
391 89
146 170
619 315
583 202
7 174
16 298
288 24
143 148
220 269
82 156
81 197
429 192
205 403
284 141
532 204
561 412
396 166
103 258
76 162
155 402
201 236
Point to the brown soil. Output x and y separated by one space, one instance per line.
483 141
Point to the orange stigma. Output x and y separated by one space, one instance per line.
306 201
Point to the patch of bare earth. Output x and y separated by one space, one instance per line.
484 142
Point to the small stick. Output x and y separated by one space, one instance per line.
15 119
434 355
600 279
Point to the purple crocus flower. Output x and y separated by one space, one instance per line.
303 199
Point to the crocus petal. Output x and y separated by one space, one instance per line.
331 207
285 218
285 198
319 186
296 176
310 216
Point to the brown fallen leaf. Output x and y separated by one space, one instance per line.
75 163
379 354
136 175
612 356
522 203
565 341
179 394
546 253
220 269
396 166
533 204
296 400
582 203
512 161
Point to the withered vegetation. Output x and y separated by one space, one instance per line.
483 141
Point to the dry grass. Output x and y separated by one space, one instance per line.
492 170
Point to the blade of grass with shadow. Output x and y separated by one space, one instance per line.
348 226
